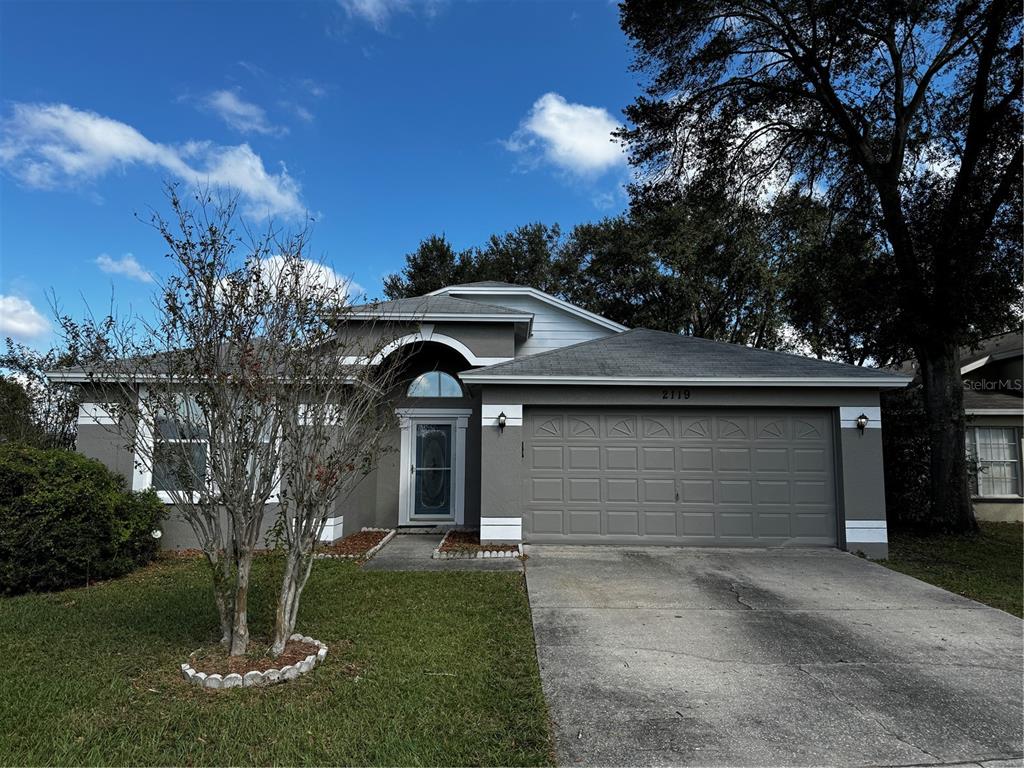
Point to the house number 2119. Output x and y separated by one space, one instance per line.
675 394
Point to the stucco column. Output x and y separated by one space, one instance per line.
862 481
501 463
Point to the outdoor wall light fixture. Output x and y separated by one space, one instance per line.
862 422
501 421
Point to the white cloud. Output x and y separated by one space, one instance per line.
49 146
380 12
315 273
573 137
376 12
243 116
298 110
20 320
127 265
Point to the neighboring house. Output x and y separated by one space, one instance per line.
538 421
993 378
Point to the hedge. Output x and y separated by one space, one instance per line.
66 520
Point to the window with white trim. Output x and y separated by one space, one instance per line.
996 450
181 449
181 452
435 384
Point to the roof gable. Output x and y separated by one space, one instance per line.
495 291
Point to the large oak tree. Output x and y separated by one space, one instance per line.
911 109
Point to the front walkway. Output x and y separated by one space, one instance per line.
669 656
411 552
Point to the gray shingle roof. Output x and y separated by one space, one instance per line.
979 400
646 354
433 305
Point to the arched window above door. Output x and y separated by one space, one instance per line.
435 384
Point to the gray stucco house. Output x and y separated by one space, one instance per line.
538 421
993 376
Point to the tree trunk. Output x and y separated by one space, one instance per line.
223 587
240 615
296 574
944 405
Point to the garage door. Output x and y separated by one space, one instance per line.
728 477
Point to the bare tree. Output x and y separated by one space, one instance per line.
241 392
332 441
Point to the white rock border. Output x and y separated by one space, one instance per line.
256 678
437 554
366 555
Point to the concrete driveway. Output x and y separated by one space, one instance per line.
666 656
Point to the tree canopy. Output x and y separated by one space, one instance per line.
907 113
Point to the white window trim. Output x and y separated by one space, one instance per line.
142 476
455 379
459 418
1018 448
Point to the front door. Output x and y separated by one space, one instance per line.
433 462
432 470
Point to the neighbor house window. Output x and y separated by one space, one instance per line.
997 453
181 448
435 384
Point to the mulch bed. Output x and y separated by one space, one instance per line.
469 541
355 544
216 661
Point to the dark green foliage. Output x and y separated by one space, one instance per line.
44 414
905 447
66 520
522 256
839 289
15 412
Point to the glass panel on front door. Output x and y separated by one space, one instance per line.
433 471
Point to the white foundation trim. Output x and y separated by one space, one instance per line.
513 415
867 532
96 413
508 529
407 418
848 415
333 529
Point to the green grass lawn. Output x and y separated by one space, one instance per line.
424 669
987 567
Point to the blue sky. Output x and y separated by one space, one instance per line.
386 120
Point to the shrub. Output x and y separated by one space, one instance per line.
66 520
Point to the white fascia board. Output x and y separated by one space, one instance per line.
995 412
981 361
84 378
445 317
765 381
572 309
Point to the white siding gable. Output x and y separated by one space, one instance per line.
553 327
